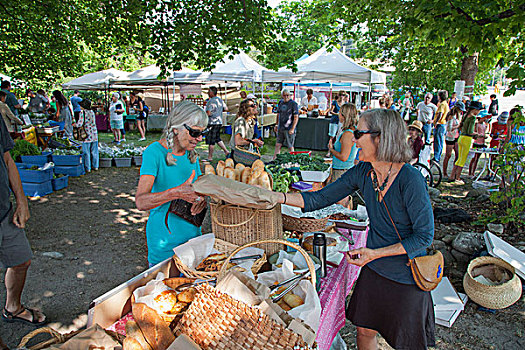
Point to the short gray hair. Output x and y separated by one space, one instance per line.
429 94
393 146
188 113
285 91
115 94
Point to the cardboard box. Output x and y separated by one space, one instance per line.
113 305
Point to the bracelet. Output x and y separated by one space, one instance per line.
284 198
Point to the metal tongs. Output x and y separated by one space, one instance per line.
185 286
248 257
295 281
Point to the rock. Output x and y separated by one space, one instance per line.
448 239
495 228
476 192
439 233
484 198
460 257
53 255
439 245
468 242
449 258
449 198
434 193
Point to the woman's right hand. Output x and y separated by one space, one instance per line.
186 191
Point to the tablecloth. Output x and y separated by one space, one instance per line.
335 287
312 133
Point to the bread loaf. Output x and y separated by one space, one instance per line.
165 301
258 164
209 170
238 171
253 179
245 175
293 300
155 330
220 168
131 343
229 173
264 181
135 336
187 295
229 162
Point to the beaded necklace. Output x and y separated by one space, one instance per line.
378 188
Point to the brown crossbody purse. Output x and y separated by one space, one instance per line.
427 270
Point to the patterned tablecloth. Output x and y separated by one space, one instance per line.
335 287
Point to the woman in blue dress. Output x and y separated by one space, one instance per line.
169 166
386 299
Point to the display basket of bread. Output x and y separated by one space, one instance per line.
239 224
303 224
211 265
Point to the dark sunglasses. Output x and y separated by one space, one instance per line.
359 133
194 132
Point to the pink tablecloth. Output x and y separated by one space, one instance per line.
335 287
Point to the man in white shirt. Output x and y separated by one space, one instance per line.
425 114
308 100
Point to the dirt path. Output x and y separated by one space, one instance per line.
95 225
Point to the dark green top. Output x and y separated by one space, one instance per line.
468 126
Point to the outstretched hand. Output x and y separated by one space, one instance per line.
186 191
360 256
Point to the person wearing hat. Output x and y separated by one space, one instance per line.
498 130
481 129
452 135
465 140
414 139
116 112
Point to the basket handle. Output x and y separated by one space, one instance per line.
309 262
57 338
221 207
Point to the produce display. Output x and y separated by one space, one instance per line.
282 178
255 175
66 152
301 161
24 148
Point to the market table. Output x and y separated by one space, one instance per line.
267 119
312 133
44 134
156 121
335 287
488 152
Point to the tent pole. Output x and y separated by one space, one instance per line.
262 102
370 92
173 90
168 98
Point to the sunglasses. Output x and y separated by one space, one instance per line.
359 133
252 106
194 132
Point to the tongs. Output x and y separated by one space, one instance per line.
185 286
248 257
295 281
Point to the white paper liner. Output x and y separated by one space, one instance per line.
146 294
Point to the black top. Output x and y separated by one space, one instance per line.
6 144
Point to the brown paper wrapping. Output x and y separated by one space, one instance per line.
93 337
234 192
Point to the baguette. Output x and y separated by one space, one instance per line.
264 181
220 168
208 169
155 329
229 162
245 175
135 336
229 173
253 179
238 171
258 164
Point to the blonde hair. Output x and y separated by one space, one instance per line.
349 113
392 144
187 113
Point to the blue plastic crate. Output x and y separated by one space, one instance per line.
76 170
38 160
228 129
59 124
34 176
37 190
60 182
67 160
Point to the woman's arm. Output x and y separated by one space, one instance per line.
145 200
346 147
240 141
363 256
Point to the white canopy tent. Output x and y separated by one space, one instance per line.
240 68
325 66
149 76
96 81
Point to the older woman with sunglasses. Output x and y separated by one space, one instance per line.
386 298
244 126
169 166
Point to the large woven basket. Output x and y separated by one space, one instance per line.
492 297
223 247
56 338
246 157
241 225
291 223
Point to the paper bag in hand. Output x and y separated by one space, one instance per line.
234 192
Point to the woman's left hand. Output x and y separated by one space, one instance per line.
360 256
258 142
198 205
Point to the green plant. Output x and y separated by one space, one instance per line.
511 196
24 148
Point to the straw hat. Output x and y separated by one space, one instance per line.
492 297
416 124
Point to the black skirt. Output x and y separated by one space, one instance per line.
402 313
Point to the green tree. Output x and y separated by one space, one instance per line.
471 30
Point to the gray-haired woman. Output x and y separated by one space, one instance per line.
169 166
386 298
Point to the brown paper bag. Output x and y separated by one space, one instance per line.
93 337
234 192
183 342
243 288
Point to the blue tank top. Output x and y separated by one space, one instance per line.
518 135
339 164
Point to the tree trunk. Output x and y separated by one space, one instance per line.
469 68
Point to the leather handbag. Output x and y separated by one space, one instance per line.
182 209
79 133
427 270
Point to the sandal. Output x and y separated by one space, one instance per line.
13 317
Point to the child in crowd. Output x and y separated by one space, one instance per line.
499 130
452 134
414 139
481 128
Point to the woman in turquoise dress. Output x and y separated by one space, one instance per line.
169 167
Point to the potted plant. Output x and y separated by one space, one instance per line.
105 159
122 158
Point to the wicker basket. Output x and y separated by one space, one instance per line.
304 224
241 225
492 297
246 157
223 247
56 338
